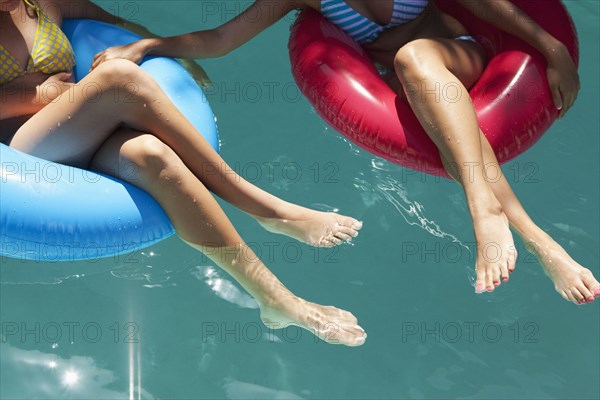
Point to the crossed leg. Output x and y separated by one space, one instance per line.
168 160
145 161
119 93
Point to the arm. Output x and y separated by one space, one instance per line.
208 43
30 93
562 72
222 40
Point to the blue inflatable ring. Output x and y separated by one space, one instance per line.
51 212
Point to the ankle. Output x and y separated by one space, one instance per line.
277 299
278 210
484 205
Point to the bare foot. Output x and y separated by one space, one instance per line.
316 228
496 252
331 324
571 280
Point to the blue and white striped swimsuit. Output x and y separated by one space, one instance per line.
362 29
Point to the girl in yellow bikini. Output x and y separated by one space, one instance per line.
51 50
167 155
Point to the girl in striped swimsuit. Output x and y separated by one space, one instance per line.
418 43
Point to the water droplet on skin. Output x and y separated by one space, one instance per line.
458 142
145 105
69 116
59 124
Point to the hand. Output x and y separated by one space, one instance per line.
53 87
562 78
133 52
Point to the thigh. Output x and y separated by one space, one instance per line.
71 128
465 59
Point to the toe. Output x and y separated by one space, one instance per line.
570 297
325 242
585 292
512 259
348 231
489 280
350 223
354 330
359 341
504 268
497 274
351 335
480 282
591 283
343 237
333 241
576 295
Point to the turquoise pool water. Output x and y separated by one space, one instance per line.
165 323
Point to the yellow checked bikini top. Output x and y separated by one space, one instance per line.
51 52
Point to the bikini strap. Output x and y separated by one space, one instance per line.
32 4
38 10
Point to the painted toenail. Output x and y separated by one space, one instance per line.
583 300
596 291
490 288
496 283
504 279
590 299
479 287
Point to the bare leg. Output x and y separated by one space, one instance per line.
147 162
429 69
574 282
119 93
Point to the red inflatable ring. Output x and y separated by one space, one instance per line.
512 98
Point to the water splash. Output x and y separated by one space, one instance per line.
381 185
223 288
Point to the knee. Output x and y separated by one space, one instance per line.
414 59
152 158
123 75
